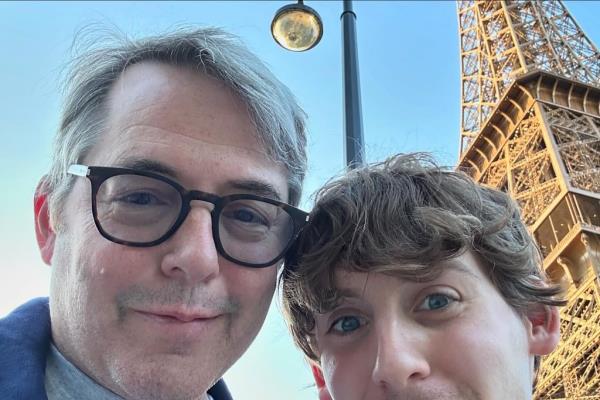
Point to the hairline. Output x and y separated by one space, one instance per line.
209 51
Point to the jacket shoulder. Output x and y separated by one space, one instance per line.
24 342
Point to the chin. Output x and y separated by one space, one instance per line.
162 380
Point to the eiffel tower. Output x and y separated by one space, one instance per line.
530 125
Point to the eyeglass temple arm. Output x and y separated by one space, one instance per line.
79 170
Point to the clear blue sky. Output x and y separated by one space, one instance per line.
409 66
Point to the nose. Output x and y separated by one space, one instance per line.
192 254
400 362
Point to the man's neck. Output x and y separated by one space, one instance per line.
65 381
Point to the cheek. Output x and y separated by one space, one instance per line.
348 372
83 259
98 270
489 349
252 290
249 285
87 273
111 268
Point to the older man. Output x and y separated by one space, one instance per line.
164 217
413 282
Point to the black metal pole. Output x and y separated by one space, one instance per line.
354 143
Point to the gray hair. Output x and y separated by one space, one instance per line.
97 65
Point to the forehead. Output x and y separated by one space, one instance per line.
182 100
186 120
465 268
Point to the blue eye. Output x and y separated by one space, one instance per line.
436 301
347 324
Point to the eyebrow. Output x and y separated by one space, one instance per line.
150 166
256 187
349 293
459 267
246 185
449 265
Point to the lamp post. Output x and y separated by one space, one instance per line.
297 27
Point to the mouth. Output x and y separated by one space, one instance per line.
178 317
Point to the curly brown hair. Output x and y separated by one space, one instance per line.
402 217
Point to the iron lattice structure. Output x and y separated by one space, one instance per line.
531 126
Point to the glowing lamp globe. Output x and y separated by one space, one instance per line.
297 27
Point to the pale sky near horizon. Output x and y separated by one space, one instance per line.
410 80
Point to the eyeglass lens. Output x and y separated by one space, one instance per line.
142 209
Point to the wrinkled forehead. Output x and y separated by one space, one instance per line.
188 126
182 100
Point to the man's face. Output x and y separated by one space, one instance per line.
114 308
451 338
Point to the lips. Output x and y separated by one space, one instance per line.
173 316
171 325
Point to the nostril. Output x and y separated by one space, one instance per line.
173 271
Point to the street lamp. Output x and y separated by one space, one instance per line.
297 27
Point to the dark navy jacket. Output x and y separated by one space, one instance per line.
24 342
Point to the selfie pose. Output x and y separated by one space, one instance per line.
164 218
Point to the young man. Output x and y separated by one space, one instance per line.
413 282
164 220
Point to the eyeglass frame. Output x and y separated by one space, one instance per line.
97 175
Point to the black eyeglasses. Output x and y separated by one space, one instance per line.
143 209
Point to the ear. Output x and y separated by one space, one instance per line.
43 229
543 324
320 382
